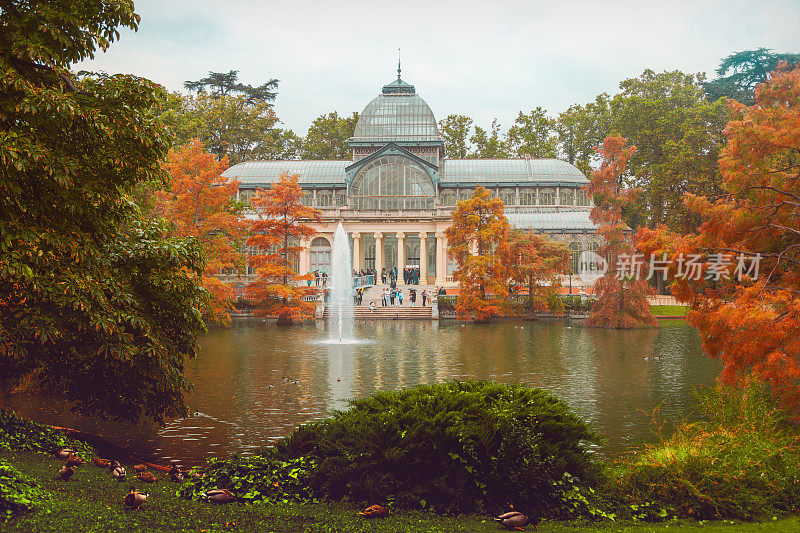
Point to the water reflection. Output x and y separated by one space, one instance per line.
255 382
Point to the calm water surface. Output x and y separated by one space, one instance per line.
246 395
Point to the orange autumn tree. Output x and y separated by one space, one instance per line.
478 242
740 273
200 203
537 263
623 290
275 233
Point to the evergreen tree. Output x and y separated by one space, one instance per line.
225 84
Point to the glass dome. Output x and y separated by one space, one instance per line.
391 182
398 114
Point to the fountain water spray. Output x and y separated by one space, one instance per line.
341 304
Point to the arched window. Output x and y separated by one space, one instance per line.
324 198
527 197
566 196
508 196
391 182
246 194
583 199
321 255
547 196
341 198
464 194
448 197
575 249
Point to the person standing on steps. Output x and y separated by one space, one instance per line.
400 296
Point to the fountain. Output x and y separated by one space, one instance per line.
340 327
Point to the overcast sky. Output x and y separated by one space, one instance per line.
484 59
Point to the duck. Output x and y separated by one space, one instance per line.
140 467
147 477
63 453
135 499
100 462
219 496
66 472
118 472
374 511
176 475
75 460
514 520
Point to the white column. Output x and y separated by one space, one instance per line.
423 258
356 251
441 258
305 256
378 253
401 254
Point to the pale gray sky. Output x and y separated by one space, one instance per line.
484 59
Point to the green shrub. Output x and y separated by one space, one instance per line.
20 434
447 303
740 461
454 447
261 477
17 495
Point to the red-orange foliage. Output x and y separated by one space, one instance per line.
200 203
538 262
279 226
752 325
478 242
622 300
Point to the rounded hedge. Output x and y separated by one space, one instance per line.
453 447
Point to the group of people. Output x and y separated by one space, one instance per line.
319 277
411 276
365 272
394 297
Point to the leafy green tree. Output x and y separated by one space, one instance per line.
532 135
96 305
489 145
456 132
229 126
327 137
581 129
678 134
740 73
224 84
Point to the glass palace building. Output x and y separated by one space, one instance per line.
396 195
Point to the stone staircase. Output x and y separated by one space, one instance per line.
373 294
363 312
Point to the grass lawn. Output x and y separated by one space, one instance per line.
669 310
91 501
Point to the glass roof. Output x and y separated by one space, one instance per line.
511 170
397 116
311 172
559 220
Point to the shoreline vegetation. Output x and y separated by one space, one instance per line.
735 467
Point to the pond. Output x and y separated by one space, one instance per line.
255 382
